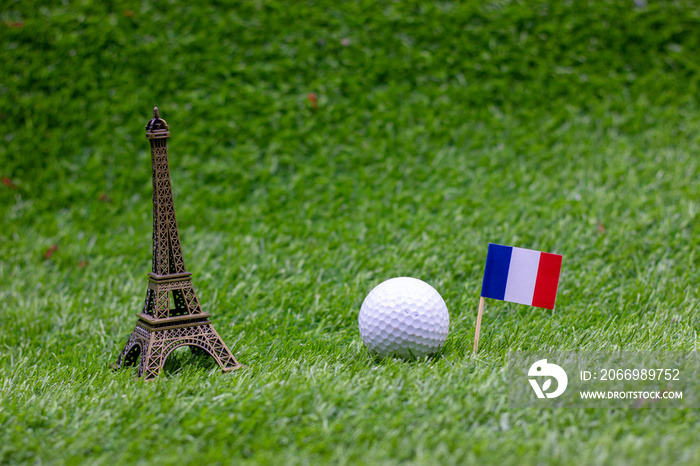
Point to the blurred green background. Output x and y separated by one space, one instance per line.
318 149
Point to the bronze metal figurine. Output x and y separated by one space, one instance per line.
172 316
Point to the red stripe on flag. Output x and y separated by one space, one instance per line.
547 280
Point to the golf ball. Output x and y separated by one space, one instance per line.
404 317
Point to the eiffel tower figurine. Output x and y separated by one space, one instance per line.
161 329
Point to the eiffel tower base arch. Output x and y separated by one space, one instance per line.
154 341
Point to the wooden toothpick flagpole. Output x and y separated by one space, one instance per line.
478 325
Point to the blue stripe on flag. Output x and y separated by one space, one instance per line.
496 272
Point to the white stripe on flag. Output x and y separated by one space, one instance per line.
522 275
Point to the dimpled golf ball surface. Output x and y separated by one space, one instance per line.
404 317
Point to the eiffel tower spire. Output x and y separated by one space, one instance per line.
166 324
167 251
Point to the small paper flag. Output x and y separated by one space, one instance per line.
521 276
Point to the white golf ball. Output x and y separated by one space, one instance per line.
404 317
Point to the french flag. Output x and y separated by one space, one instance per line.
521 276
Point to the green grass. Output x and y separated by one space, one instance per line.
565 127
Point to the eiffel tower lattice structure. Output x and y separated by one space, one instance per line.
172 316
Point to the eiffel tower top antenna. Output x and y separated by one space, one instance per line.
157 127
